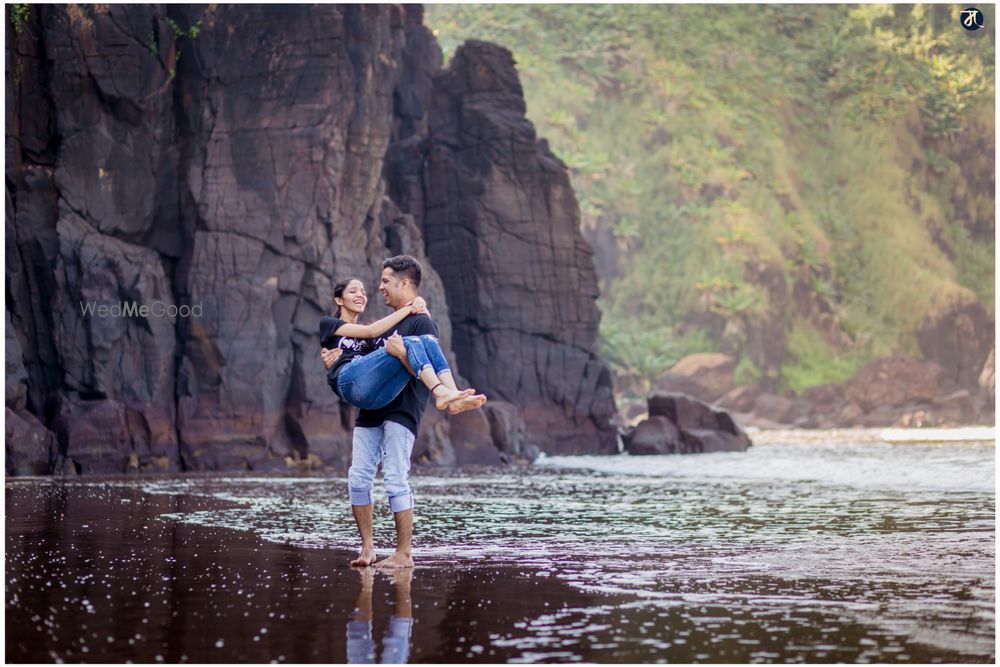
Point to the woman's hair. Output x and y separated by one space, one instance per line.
338 291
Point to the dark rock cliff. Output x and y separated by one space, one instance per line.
502 227
241 160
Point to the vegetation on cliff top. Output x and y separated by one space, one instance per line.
821 174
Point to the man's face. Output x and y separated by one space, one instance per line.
392 288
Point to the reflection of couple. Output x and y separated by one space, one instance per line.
376 373
396 642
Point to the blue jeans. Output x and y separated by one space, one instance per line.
390 444
372 381
395 643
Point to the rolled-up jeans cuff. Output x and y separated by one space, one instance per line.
362 497
401 503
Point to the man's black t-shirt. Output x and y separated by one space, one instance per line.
352 347
407 408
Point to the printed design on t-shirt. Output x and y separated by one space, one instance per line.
356 345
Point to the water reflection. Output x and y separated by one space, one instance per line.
396 642
626 564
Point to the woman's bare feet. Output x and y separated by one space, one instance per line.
444 396
366 558
397 560
466 403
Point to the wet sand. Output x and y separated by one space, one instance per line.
96 574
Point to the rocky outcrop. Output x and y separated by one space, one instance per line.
895 381
501 225
958 337
705 376
224 166
889 391
30 447
679 424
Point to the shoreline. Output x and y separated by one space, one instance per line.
171 569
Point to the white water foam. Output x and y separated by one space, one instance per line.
869 465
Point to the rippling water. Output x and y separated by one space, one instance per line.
828 550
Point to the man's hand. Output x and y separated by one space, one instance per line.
330 356
394 346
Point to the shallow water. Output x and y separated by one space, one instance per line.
819 551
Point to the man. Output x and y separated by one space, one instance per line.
386 435
396 641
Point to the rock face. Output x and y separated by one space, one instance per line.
501 226
226 177
679 424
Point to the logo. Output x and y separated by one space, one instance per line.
972 19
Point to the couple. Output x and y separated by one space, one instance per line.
378 373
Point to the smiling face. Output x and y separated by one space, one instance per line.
353 299
397 291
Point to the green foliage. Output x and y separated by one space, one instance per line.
812 362
19 15
179 32
191 33
746 372
831 141
647 352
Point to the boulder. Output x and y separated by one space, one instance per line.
739 399
958 337
433 444
702 427
895 381
705 376
850 415
777 409
30 447
506 429
472 439
656 435
956 409
825 397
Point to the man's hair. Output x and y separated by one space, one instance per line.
404 266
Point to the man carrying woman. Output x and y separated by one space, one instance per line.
391 399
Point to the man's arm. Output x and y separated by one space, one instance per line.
420 325
394 346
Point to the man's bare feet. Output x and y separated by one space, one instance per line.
444 396
397 560
367 578
366 558
467 403
400 576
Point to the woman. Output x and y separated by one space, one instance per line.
368 377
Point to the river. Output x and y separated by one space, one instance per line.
809 547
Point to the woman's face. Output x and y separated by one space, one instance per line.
354 298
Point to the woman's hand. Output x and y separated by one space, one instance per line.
418 306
